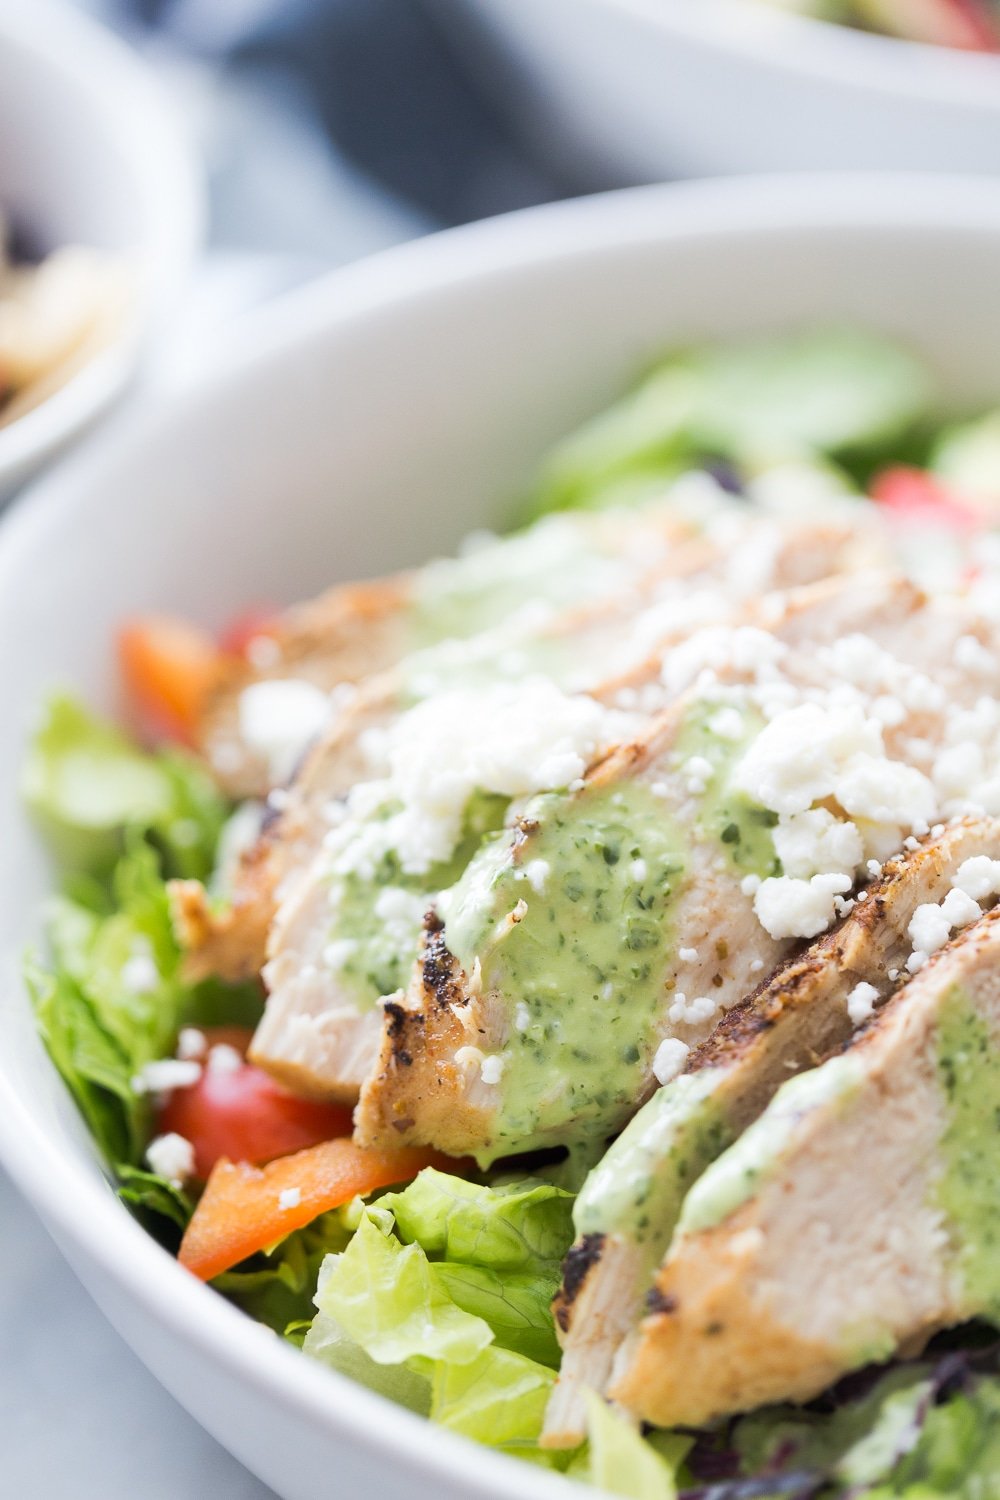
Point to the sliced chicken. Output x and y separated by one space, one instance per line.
858 1215
620 637
628 1208
319 1035
359 630
511 975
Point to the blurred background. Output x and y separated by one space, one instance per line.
328 129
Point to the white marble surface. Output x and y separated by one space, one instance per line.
80 1417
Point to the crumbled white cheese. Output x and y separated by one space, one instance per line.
289 1198
750 885
192 1044
171 1156
165 1074
223 1059
786 907
522 1016
491 1068
638 870
688 955
809 753
512 739
811 842
671 1055
702 1008
978 877
279 718
337 954
727 724
861 1002
972 656
140 976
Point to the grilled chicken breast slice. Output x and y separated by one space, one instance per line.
856 1216
628 1208
513 953
621 636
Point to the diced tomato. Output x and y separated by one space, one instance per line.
252 625
243 1115
915 495
169 667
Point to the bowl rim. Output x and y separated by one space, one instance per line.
69 1196
825 52
122 90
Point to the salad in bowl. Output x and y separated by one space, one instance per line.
972 25
557 986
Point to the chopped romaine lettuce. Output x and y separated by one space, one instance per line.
87 783
759 403
448 1283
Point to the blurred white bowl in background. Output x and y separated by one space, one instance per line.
90 154
641 90
359 425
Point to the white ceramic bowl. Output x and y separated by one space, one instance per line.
90 154
364 423
641 90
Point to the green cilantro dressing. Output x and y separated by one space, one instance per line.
742 827
573 928
734 1177
638 1189
559 561
968 1063
381 938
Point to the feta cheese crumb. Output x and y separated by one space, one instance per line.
756 965
171 1156
522 1016
140 976
491 1068
671 1055
165 1074
638 870
978 877
688 955
536 873
861 1003
727 724
750 885
191 1044
279 718
972 656
702 1008
223 1059
289 1198
787 907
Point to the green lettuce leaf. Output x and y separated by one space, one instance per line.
441 1301
86 783
836 392
112 998
621 1462
498 1398
517 1225
387 1298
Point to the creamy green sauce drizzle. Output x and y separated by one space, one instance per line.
383 950
727 816
968 1062
637 1190
582 964
734 1177
558 562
